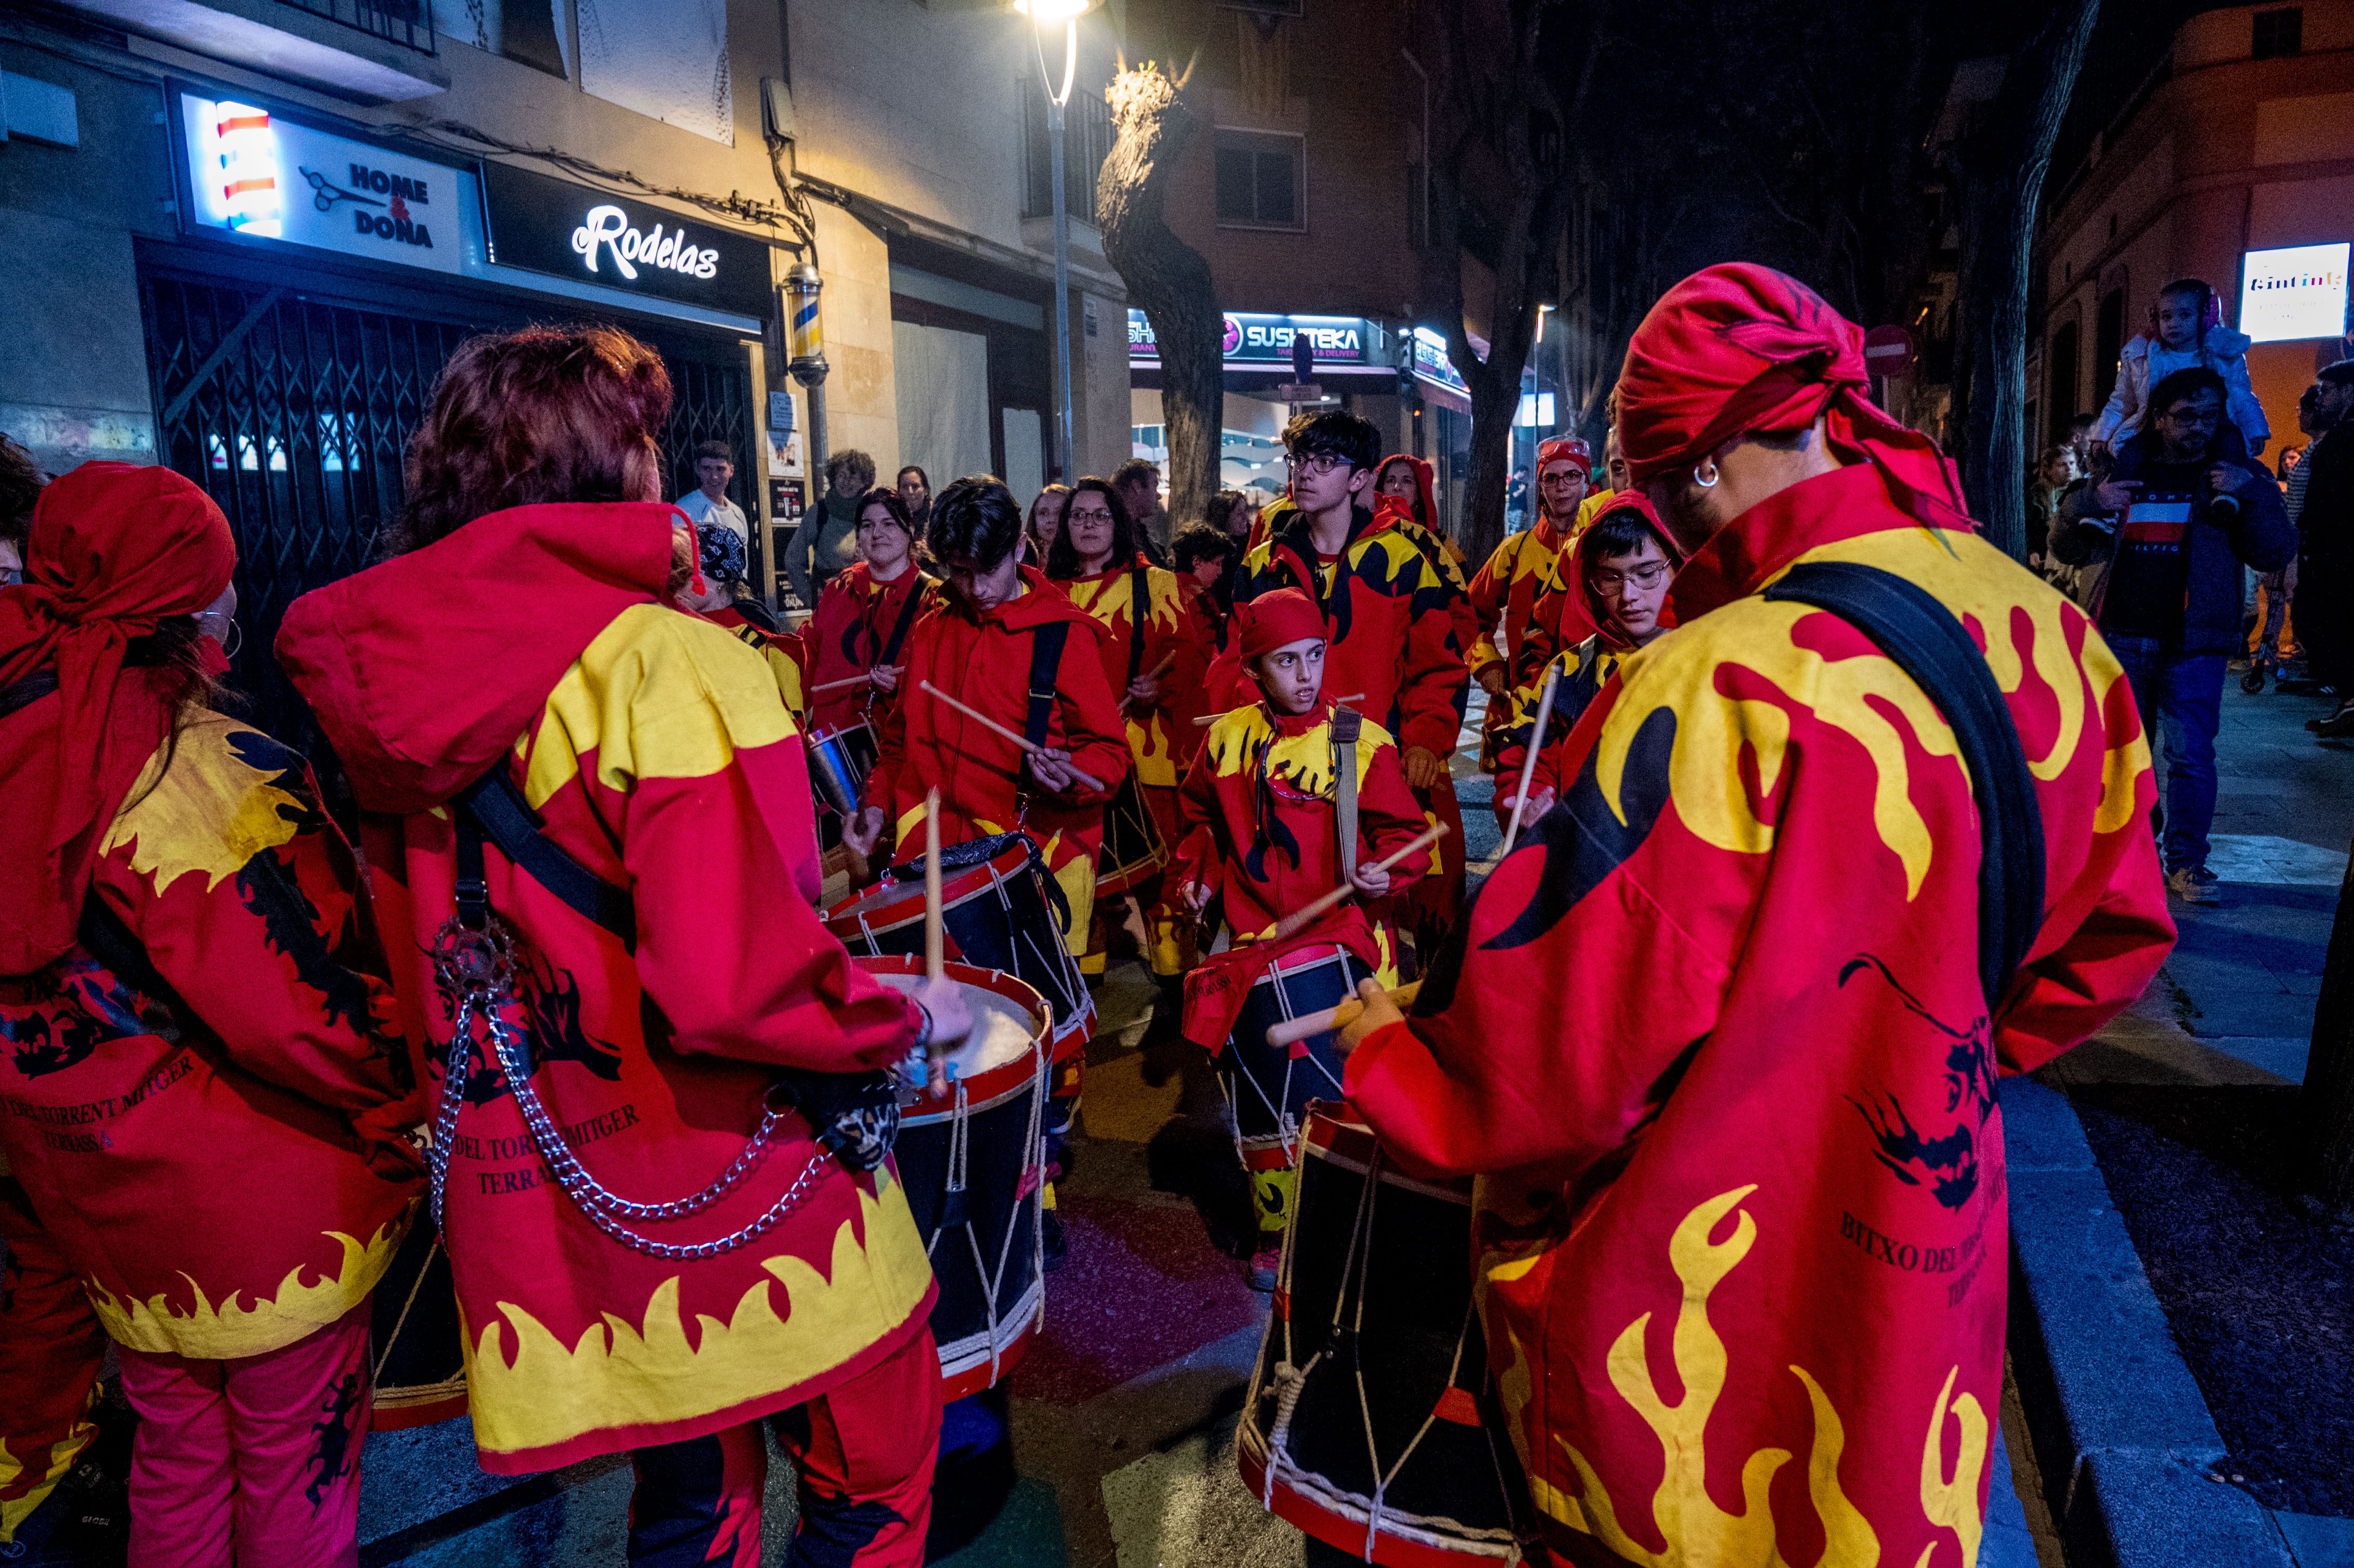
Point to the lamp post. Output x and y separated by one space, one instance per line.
805 348
1041 13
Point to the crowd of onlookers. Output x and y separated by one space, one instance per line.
2161 518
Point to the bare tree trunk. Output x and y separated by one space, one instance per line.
1168 279
2003 163
2328 1094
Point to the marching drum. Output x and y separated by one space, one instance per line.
420 1360
1269 1087
1370 1423
1133 851
972 1165
1002 911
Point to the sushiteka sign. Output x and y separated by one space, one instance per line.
2296 293
1255 340
257 175
555 226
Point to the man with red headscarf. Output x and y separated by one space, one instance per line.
1723 1031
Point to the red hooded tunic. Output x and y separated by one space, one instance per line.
653 747
1701 1251
1175 628
1259 814
211 1137
849 634
983 779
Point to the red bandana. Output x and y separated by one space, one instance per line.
115 550
1737 348
1279 617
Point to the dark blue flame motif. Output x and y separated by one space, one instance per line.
333 1454
40 1044
550 998
288 774
1949 1162
290 926
1582 842
1270 832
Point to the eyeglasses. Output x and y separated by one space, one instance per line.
1567 477
1646 577
1091 514
1317 465
2185 414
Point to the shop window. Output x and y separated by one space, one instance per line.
2279 33
1260 178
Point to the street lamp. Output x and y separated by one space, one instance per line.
1042 14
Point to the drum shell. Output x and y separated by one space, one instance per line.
840 761
1461 1497
417 1342
1133 850
1311 979
1018 936
1004 1168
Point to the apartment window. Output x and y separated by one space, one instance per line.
1261 176
2280 33
1087 141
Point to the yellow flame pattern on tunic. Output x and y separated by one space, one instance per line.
1696 1532
211 812
543 1393
1865 697
1107 599
232 1329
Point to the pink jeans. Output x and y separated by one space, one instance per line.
250 1462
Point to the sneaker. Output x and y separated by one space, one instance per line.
2194 885
2338 726
1265 1265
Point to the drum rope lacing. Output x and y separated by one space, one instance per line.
958 1162
474 969
1287 1125
1293 1381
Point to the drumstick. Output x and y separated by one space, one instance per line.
1529 763
1207 719
1300 920
837 685
935 937
1166 664
1016 736
1293 1030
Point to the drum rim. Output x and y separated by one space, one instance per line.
820 736
1347 1144
1415 1544
911 893
1006 1079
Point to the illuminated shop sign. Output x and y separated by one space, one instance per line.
1431 364
2296 293
592 236
1257 340
259 177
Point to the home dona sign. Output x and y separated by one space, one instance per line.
571 231
259 177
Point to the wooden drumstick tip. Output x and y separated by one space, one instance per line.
1338 1016
837 685
935 933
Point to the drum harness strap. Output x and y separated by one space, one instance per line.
1045 664
1347 723
854 1117
907 608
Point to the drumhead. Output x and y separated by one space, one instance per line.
1008 1025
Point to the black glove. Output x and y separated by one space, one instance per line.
854 1115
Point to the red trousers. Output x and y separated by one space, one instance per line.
50 1347
254 1462
864 1452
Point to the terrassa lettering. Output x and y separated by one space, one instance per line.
630 247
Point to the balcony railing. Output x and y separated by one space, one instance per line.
408 23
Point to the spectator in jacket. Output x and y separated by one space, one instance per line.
827 540
2273 631
915 494
2181 510
2186 330
2055 471
2325 526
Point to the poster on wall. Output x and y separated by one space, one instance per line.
2296 292
784 454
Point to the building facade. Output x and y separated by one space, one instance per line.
2234 163
246 234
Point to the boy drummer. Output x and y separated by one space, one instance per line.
1261 813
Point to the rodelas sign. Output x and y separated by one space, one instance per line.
593 236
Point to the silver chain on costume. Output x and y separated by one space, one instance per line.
475 971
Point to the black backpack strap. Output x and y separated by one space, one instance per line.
1046 663
1920 637
1139 615
493 808
890 654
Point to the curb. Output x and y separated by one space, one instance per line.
2123 1436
